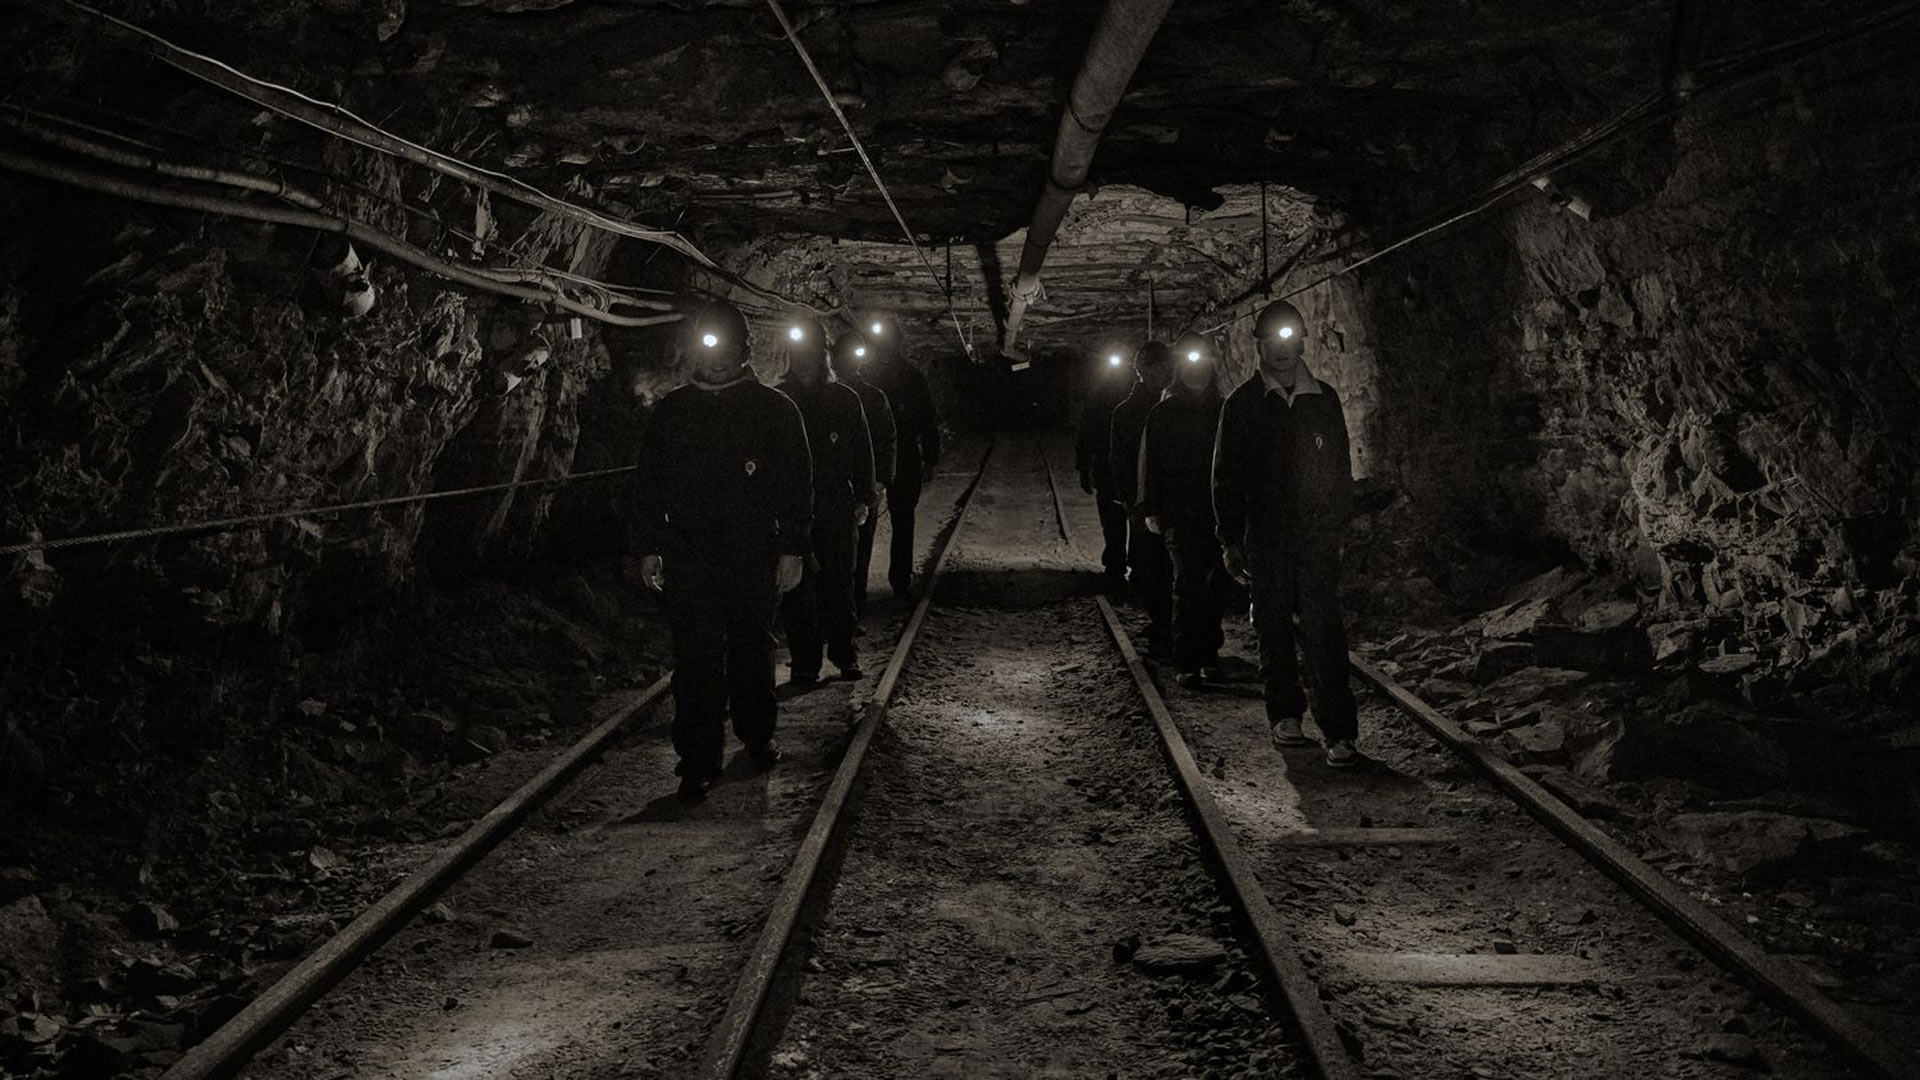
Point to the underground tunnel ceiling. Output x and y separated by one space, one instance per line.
699 116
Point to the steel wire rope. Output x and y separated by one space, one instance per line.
604 293
241 520
424 213
860 148
339 120
319 220
1719 73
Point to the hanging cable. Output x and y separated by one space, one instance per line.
338 120
860 148
530 269
358 231
242 520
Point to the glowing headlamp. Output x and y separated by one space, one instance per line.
876 328
859 350
709 340
1114 360
1285 332
1193 356
795 333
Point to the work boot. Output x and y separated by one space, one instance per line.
1190 680
852 673
765 756
1341 754
1287 733
694 789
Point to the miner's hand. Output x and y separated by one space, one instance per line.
860 513
788 571
1086 481
1153 524
653 572
1234 557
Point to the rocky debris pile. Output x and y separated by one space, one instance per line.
1568 673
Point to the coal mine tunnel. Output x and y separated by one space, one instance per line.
959 538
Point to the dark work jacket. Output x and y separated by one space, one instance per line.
836 426
879 425
1282 477
724 472
1123 447
916 422
1093 443
1176 455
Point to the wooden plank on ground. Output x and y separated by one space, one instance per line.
1470 969
1346 836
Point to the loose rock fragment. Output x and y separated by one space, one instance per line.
1178 954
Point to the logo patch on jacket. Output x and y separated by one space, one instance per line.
833 437
1319 443
751 465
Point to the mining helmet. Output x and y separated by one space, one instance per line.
1279 321
850 350
804 332
882 332
717 324
1194 347
1153 354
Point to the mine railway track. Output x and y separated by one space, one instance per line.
765 1025
1769 977
766 994
228 1049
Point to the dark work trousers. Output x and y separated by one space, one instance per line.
863 560
902 498
1296 600
1152 579
819 611
1199 591
721 606
1113 529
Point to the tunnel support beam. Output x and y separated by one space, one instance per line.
1120 39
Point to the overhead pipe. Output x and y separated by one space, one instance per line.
1120 39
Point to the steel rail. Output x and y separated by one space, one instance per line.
1284 968
736 1041
1714 936
265 1018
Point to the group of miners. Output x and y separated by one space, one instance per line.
755 506
1203 495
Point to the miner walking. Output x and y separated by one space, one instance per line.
820 611
916 442
724 518
1176 463
1093 456
1149 570
852 360
1282 492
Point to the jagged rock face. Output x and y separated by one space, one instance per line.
1705 390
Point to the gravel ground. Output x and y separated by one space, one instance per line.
1019 837
603 938
1487 881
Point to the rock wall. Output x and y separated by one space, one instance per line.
169 366
1708 391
